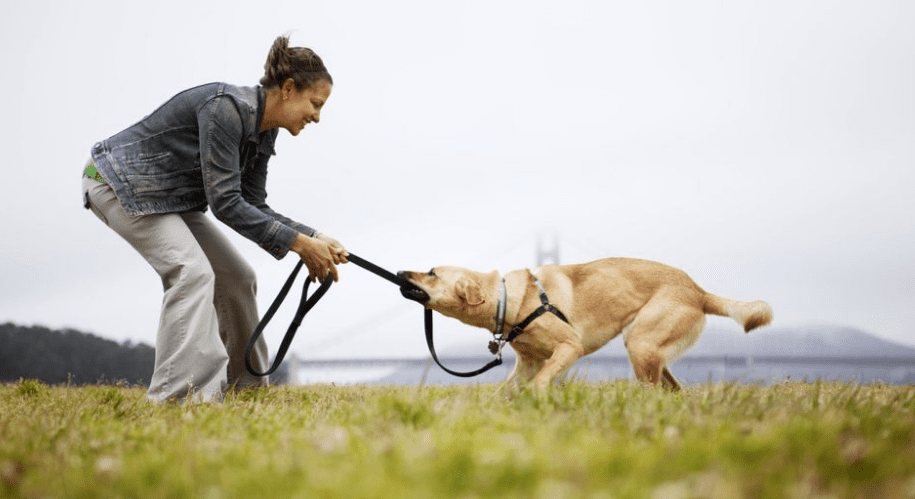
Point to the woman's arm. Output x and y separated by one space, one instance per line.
221 131
254 190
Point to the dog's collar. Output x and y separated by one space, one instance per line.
495 346
500 309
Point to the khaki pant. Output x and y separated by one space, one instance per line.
209 309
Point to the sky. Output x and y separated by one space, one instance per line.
767 148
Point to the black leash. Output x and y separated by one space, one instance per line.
375 269
306 304
493 363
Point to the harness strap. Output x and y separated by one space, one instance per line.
546 307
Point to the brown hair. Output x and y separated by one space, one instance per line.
299 63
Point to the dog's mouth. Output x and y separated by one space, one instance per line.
411 291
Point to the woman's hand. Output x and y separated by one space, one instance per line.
320 254
337 250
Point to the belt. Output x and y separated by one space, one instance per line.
92 172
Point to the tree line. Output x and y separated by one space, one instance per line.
74 357
70 356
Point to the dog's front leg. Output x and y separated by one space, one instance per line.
512 380
524 371
564 355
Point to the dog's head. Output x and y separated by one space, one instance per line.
452 291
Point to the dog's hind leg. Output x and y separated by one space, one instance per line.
650 367
647 362
669 381
659 334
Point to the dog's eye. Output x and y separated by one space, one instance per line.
432 272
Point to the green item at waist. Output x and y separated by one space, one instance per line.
92 172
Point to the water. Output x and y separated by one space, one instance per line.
409 372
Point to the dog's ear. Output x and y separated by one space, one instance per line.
469 291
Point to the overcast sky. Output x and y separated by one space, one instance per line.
767 148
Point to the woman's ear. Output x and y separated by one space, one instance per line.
288 88
469 291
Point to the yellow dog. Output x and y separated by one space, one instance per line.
659 310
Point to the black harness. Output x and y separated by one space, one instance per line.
500 338
306 304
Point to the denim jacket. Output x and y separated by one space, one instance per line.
201 148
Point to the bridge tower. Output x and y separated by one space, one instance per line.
547 255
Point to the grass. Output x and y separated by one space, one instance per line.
606 440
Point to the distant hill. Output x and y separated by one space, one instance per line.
810 341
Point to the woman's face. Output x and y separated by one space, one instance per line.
300 108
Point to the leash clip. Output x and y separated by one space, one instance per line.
496 346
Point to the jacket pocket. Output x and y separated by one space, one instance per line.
176 183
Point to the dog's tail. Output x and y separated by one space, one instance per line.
749 314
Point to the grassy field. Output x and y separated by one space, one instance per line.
608 440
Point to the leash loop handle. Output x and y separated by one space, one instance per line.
305 305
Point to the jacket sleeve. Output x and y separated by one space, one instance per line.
254 190
221 132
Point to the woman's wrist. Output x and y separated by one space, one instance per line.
301 243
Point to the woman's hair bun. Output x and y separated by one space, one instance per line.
299 63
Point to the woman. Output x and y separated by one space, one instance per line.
209 147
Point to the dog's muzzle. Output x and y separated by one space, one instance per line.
411 291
